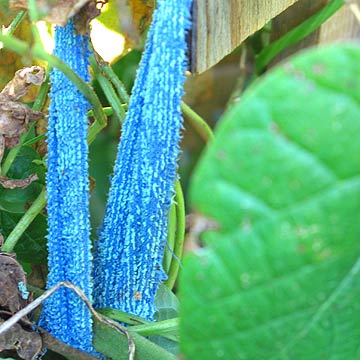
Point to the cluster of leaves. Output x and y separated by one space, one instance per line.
278 277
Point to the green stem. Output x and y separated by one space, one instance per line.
169 249
297 34
34 140
15 23
108 71
119 86
121 316
12 43
180 235
38 106
142 326
108 111
198 123
109 91
40 100
24 222
156 328
34 17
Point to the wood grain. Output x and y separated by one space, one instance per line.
343 26
219 26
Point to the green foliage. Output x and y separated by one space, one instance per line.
31 247
14 200
167 304
279 279
166 340
114 345
298 33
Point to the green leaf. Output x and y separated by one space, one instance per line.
279 279
31 248
115 346
166 303
167 308
298 33
14 200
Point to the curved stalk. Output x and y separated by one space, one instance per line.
197 122
169 248
179 237
24 222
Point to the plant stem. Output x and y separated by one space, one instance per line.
169 248
15 23
108 90
119 86
297 33
122 316
108 111
107 70
180 235
142 326
12 43
197 122
156 328
24 222
34 17
34 140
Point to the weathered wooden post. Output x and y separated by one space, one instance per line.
220 26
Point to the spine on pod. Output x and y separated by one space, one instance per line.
65 315
130 248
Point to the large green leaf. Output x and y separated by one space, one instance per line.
280 277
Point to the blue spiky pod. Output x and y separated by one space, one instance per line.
130 248
65 315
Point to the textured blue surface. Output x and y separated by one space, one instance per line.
64 315
129 252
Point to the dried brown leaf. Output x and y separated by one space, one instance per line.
88 12
23 79
11 274
27 343
142 13
13 298
15 116
135 16
9 60
56 12
17 183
